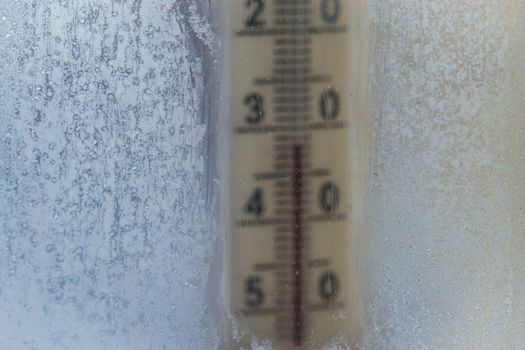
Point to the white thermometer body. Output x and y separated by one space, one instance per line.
290 275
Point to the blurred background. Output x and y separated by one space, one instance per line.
108 175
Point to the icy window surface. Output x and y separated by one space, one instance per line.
107 175
447 243
105 194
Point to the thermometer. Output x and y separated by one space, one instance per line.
294 105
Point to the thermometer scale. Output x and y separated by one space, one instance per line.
292 101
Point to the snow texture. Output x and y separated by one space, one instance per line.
108 175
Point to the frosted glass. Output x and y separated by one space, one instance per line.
446 261
108 192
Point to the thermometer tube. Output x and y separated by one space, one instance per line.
294 102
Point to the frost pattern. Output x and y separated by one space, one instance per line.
446 267
106 175
104 183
